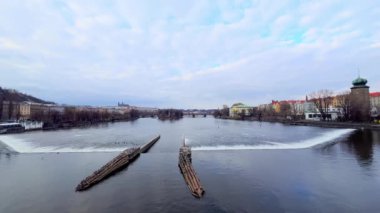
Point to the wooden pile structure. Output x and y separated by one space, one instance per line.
120 161
146 147
188 172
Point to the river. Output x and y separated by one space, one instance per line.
243 166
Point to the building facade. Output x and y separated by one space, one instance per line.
239 109
25 110
375 104
9 110
297 107
375 99
332 114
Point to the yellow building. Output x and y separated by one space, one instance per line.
276 106
25 110
239 109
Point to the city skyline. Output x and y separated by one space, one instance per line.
186 54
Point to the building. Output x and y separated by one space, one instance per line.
360 100
375 104
25 110
146 109
239 109
375 99
128 108
264 107
9 110
276 106
296 106
332 114
56 108
312 112
31 110
309 107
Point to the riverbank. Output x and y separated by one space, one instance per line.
333 124
70 125
324 124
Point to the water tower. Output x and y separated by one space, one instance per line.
360 102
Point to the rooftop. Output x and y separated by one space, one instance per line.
241 105
289 101
374 94
359 82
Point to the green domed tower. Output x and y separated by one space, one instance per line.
359 82
360 102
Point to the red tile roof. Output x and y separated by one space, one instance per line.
374 94
288 101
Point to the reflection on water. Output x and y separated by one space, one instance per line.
361 143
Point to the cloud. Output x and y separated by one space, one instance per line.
209 71
8 44
375 45
185 54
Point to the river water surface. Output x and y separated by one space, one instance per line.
243 166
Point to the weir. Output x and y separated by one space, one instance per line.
303 144
116 164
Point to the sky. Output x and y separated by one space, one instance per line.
186 54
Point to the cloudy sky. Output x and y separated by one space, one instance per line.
187 54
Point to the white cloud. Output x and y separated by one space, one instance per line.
185 54
375 45
8 44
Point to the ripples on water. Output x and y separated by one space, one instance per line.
307 168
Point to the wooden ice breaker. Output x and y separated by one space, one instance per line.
145 148
115 164
188 172
123 159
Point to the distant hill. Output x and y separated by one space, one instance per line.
16 96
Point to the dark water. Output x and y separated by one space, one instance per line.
243 166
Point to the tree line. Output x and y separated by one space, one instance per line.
323 100
73 117
171 114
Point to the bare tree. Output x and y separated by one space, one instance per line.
344 103
18 113
1 107
69 114
267 112
322 100
285 108
296 110
221 113
242 114
225 112
253 112
10 110
37 116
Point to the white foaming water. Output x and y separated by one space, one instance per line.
308 143
20 146
187 141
